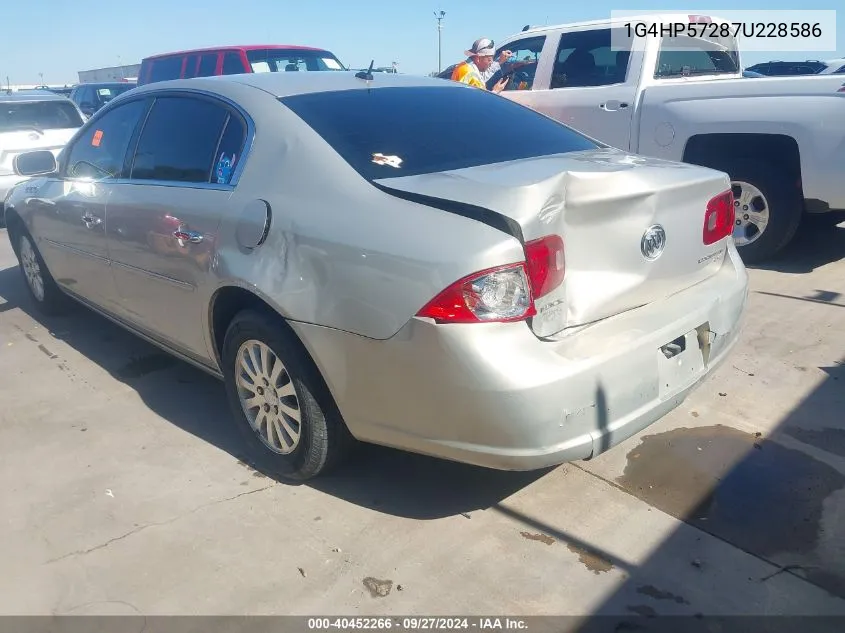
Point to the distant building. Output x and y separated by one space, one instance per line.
113 73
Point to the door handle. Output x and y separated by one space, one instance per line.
613 105
90 220
194 237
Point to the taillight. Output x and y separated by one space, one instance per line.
719 218
497 295
505 293
545 261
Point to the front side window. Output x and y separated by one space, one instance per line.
522 66
281 60
179 140
100 152
445 134
591 58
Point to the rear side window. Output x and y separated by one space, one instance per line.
166 68
38 116
208 65
101 151
394 132
191 66
179 140
688 56
591 58
232 64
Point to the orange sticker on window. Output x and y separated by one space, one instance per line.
98 137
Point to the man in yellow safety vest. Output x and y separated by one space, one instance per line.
476 68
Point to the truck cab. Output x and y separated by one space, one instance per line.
670 86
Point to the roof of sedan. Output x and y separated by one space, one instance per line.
31 95
285 84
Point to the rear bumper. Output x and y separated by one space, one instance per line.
495 395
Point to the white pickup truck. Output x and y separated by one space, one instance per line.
682 98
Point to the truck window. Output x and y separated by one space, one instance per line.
523 65
166 68
685 56
591 58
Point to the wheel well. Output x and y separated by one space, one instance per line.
714 150
225 304
229 301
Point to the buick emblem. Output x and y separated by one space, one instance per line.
653 242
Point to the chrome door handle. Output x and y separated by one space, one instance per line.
613 105
91 221
194 237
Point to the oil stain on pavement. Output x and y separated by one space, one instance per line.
774 502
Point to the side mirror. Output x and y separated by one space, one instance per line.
37 163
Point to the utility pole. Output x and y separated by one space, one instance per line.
439 17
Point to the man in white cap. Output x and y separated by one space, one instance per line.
479 65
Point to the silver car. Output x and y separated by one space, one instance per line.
398 260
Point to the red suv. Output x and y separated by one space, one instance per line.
234 60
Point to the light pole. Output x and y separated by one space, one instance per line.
439 17
41 75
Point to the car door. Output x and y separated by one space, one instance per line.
589 84
71 219
163 220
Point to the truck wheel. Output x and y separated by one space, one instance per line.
768 208
282 407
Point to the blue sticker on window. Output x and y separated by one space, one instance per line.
225 166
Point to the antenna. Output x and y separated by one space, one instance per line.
367 75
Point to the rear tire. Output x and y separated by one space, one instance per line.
43 289
781 200
283 409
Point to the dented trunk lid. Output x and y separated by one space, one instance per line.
602 203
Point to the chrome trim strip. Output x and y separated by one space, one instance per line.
170 183
77 251
176 282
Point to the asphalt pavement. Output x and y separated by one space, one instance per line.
124 492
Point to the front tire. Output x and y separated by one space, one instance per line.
285 414
42 288
768 206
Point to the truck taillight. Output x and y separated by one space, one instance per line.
700 19
719 218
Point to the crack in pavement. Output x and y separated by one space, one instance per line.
149 525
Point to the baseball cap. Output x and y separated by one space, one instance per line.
483 46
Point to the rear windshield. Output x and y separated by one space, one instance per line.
394 132
281 60
107 93
38 115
